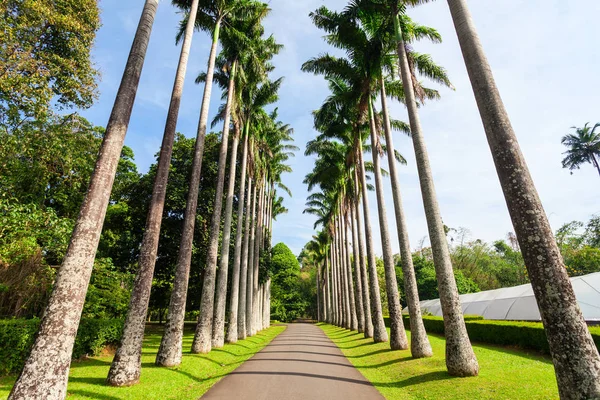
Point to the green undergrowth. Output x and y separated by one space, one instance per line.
505 373
196 374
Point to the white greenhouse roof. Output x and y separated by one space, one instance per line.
518 303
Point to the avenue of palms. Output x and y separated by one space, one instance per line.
373 69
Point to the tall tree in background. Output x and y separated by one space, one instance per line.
46 370
574 354
584 147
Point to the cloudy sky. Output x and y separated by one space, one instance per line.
544 54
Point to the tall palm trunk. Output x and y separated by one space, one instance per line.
419 342
340 278
460 359
363 268
343 275
250 275
575 357
318 286
329 318
257 247
398 339
203 337
379 331
126 365
334 293
360 312
47 368
218 330
242 328
234 294
351 299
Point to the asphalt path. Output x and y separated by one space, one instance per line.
301 363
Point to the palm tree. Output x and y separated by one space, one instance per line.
460 359
126 365
254 55
213 13
575 357
361 71
584 147
46 369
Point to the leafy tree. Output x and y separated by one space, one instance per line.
45 55
288 302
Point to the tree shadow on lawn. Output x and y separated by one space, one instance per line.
92 395
418 379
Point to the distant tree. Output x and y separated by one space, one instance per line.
584 147
288 302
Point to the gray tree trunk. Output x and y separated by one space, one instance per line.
46 370
419 342
357 274
363 268
351 298
250 275
334 293
379 331
244 264
343 275
203 337
257 247
340 280
218 331
460 359
575 357
398 339
234 295
126 365
319 297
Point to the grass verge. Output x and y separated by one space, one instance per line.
196 374
504 373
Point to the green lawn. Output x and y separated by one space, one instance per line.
504 373
190 380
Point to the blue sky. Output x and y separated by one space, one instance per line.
544 54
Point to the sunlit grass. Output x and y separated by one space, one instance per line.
190 380
504 373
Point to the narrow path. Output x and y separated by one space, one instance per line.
302 363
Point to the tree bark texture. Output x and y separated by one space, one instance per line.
398 339
419 342
575 357
46 370
379 331
351 298
360 315
234 295
126 365
244 265
250 275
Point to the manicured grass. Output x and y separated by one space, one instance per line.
190 380
504 373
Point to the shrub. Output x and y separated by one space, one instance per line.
526 335
17 337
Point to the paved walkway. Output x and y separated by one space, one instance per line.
299 364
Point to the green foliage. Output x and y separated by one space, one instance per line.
32 241
526 335
580 246
287 299
109 291
45 51
427 282
17 336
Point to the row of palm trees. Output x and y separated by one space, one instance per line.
241 69
377 37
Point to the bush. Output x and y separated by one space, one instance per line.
526 335
17 337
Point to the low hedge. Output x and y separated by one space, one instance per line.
17 337
526 335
